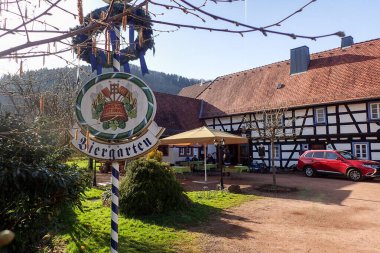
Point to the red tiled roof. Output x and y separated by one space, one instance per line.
335 75
194 90
177 114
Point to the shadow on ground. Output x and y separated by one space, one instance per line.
327 190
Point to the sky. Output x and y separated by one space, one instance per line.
207 55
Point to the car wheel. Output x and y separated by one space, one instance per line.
354 174
309 171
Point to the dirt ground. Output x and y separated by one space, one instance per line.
325 215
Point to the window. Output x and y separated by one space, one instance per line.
374 111
318 154
309 154
361 150
320 115
164 149
277 150
271 119
186 151
331 156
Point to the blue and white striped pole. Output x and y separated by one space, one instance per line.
115 208
115 41
116 50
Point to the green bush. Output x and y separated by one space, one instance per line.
155 154
150 187
35 184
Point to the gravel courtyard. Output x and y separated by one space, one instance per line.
325 215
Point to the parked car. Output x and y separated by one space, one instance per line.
337 162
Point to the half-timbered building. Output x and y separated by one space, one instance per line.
332 101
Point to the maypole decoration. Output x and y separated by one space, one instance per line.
115 111
138 21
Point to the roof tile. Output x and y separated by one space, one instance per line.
334 75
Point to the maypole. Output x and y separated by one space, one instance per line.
119 125
115 41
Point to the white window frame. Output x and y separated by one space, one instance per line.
270 117
185 151
375 106
361 150
276 152
320 115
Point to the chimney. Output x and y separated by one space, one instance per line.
347 41
299 59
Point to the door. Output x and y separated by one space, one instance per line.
332 163
317 146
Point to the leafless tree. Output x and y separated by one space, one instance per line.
32 23
273 125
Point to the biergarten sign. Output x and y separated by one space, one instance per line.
117 151
115 113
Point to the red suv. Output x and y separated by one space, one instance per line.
337 162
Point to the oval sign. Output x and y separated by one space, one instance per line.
115 106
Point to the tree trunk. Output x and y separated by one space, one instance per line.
92 168
272 162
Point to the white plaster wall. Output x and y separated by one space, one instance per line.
239 118
375 156
309 121
286 155
342 108
360 117
224 120
227 128
292 163
219 128
287 147
331 109
301 113
357 107
375 146
308 131
343 146
348 129
208 122
332 129
255 134
321 129
173 155
345 118
363 128
374 127
298 121
288 132
331 119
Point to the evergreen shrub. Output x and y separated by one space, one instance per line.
150 187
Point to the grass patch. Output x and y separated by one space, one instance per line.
79 161
90 231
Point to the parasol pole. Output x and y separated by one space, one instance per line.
204 152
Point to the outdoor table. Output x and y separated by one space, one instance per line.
236 168
241 168
180 169
210 166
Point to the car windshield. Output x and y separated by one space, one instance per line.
348 155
